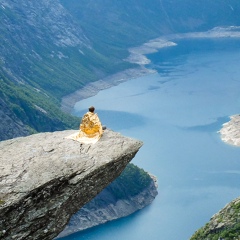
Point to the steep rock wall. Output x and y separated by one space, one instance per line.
107 207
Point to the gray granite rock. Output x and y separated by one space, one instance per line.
45 178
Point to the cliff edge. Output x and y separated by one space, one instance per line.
45 178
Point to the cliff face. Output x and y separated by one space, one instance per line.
45 178
106 206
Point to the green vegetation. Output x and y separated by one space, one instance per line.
35 108
230 233
60 76
123 23
131 182
225 225
1 202
35 72
129 23
36 98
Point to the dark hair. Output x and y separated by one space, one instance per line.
91 109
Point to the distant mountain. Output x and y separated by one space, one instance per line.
50 48
129 22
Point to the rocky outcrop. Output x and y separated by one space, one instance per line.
226 223
223 225
45 178
107 207
230 132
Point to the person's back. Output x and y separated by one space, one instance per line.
91 128
91 124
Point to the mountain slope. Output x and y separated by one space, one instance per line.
127 23
49 49
44 56
223 225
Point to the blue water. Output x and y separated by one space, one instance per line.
177 113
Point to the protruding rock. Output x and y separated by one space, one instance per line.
45 178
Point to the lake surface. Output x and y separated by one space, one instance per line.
177 113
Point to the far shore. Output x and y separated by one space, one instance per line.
230 132
91 89
137 55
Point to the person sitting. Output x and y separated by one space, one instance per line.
91 126
90 129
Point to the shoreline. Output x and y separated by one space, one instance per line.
137 55
91 89
230 132
92 214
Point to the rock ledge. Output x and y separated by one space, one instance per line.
45 178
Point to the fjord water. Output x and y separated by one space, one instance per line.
177 113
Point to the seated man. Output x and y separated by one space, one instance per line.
91 128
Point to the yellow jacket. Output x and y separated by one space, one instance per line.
91 125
